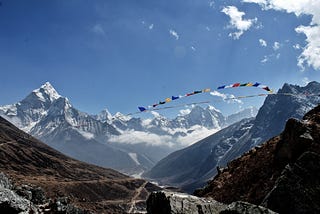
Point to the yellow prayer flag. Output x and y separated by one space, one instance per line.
206 90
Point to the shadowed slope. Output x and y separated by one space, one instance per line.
28 160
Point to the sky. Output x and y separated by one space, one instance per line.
120 54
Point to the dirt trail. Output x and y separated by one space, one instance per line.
136 195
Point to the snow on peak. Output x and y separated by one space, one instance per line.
121 116
105 115
184 112
47 90
156 114
212 108
67 104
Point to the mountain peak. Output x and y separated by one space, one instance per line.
212 108
47 91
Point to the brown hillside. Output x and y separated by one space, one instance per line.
286 166
28 160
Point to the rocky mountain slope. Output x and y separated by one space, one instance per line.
282 174
128 144
191 167
164 202
29 161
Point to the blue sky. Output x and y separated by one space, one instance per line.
119 54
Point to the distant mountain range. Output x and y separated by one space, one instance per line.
192 167
128 144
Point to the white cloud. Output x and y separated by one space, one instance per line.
211 4
198 133
306 80
137 137
193 48
311 52
98 29
151 27
265 59
229 98
207 28
296 46
276 46
164 141
174 34
263 43
237 21
255 1
310 55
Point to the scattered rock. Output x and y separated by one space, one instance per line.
246 208
26 199
35 194
164 202
5 181
62 205
10 202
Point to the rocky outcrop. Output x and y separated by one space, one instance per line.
27 199
297 189
176 203
283 174
10 201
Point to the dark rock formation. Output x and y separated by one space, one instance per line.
283 174
175 203
28 199
297 189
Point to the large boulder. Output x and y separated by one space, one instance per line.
298 188
164 202
5 181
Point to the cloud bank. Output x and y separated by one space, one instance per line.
165 141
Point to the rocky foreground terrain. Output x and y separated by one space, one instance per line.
36 178
282 175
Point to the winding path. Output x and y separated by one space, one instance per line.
136 195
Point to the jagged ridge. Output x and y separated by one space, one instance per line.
282 174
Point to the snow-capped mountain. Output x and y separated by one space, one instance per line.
191 167
208 117
245 113
122 142
50 117
26 113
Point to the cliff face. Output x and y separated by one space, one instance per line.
282 174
